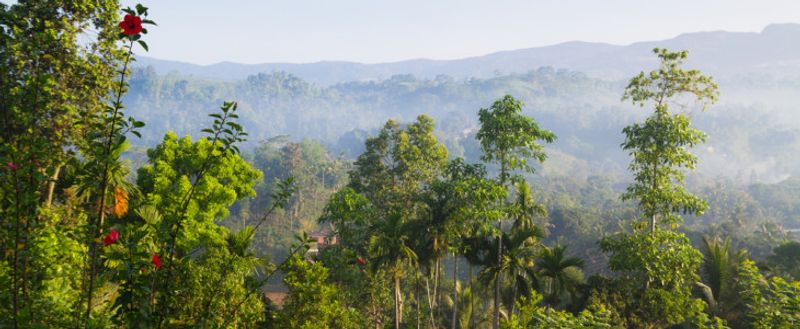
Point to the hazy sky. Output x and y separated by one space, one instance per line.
258 31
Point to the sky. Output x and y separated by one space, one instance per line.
375 31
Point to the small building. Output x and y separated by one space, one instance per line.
276 297
320 239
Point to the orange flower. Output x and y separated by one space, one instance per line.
120 202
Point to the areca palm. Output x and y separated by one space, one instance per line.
390 249
477 252
434 228
560 274
424 244
460 204
516 267
466 316
524 209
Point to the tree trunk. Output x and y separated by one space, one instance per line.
653 226
375 313
513 300
653 216
455 290
436 284
416 296
496 324
655 180
438 290
52 186
398 303
430 305
471 299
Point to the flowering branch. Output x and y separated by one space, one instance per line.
131 31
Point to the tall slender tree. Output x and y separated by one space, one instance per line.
660 267
509 138
390 250
659 146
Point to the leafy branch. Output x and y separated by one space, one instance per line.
224 134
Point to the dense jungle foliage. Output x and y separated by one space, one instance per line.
518 222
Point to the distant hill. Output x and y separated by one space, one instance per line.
573 88
774 51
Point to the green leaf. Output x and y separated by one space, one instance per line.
140 9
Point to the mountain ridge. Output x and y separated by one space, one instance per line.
770 51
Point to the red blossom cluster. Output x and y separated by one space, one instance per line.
156 261
131 25
111 238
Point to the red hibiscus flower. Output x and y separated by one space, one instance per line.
361 261
156 261
11 166
131 25
111 238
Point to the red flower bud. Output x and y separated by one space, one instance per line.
156 261
361 261
111 238
131 25
11 166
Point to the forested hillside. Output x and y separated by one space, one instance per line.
751 141
754 133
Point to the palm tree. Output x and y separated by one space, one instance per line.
424 244
560 274
456 205
524 209
432 235
466 309
718 271
717 267
477 251
516 266
390 250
